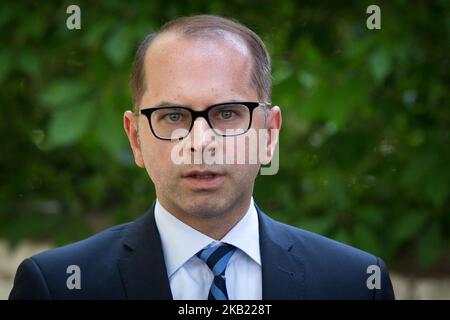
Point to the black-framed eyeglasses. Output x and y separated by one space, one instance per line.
225 119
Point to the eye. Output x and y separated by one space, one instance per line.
174 117
226 114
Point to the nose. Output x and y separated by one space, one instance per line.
201 135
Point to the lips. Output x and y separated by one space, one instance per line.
203 179
202 174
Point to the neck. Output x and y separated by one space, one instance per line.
215 227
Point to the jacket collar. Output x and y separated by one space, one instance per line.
144 274
142 266
283 274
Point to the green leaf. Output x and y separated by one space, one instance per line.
109 131
336 100
429 247
437 188
69 124
96 33
281 71
320 225
5 64
29 64
380 65
370 216
307 79
408 226
342 235
366 239
118 46
64 93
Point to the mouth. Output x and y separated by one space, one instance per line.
204 179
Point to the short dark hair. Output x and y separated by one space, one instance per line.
208 25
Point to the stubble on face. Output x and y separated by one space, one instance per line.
198 72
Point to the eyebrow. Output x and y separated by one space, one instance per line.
166 104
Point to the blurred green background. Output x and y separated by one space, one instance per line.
364 148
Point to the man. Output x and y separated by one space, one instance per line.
201 86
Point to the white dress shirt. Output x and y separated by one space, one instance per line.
190 277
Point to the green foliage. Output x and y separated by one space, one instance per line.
364 148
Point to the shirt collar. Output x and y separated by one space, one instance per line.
180 242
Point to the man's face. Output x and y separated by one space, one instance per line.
196 72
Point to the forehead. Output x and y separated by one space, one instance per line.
198 70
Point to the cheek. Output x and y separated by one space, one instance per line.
245 149
157 159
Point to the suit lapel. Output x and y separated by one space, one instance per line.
144 273
282 271
142 265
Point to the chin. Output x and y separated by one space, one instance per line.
206 206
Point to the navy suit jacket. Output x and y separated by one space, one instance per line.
127 262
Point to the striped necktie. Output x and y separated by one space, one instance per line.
217 257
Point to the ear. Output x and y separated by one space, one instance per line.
273 130
130 126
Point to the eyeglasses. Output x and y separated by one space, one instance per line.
225 119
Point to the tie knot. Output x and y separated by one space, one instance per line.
217 257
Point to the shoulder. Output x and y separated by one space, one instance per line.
95 247
332 266
45 275
313 244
